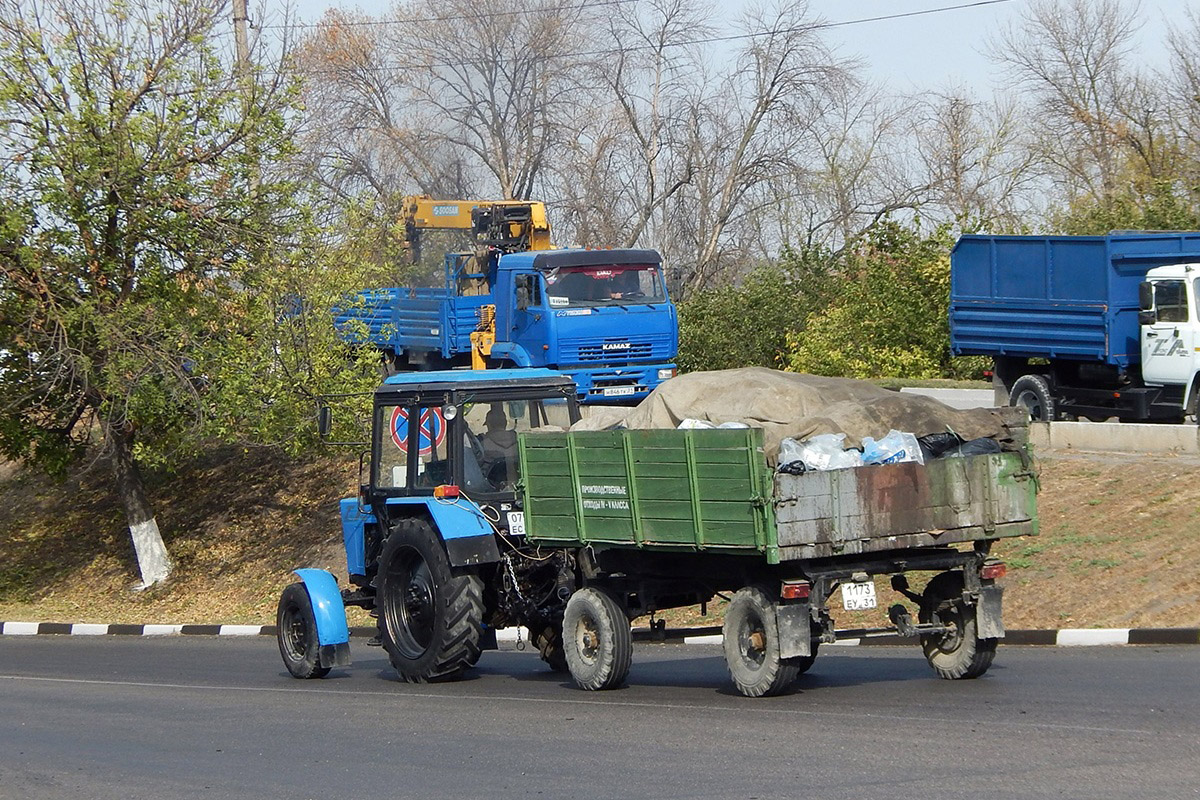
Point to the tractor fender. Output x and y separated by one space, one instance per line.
328 610
466 533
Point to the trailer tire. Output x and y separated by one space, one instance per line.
296 632
550 647
1032 392
597 640
751 643
430 617
958 654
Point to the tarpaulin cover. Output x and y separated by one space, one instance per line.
792 404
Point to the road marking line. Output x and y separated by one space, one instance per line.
20 629
751 706
89 629
161 630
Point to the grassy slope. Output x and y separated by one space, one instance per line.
1118 548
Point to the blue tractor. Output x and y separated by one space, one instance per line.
423 536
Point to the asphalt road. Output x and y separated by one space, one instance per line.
109 717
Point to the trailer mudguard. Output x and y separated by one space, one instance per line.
795 630
328 610
989 616
467 534
355 519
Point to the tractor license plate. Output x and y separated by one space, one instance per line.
858 596
619 391
516 523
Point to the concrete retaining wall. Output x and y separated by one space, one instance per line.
1115 437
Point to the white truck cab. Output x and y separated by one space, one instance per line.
1170 328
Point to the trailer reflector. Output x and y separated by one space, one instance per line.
795 590
991 572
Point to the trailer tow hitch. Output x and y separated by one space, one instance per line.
905 626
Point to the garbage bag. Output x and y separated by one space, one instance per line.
894 448
826 451
975 447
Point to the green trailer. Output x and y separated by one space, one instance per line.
666 516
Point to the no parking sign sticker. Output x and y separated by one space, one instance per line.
431 434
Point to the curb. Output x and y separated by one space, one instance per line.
1066 637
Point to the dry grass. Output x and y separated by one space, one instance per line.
1119 543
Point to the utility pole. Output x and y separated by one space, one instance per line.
241 20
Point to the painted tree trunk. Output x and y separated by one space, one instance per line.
153 561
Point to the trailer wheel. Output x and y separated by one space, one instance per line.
1032 393
296 630
597 641
957 654
429 617
550 647
751 642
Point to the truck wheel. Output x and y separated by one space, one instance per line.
597 641
957 654
550 647
1032 393
751 643
296 630
429 617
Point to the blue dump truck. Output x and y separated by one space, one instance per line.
508 299
1093 327
480 510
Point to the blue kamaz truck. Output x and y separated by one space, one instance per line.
509 299
1092 327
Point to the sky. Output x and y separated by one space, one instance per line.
927 51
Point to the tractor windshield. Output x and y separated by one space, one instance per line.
616 284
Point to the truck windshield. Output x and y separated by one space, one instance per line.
604 284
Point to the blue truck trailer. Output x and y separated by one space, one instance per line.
1091 327
603 317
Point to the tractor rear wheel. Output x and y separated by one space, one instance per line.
430 617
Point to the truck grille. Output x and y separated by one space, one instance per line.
615 349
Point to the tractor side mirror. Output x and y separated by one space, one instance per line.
324 421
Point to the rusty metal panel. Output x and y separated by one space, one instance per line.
887 507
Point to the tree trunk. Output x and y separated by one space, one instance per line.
153 561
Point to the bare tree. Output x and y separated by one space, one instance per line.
748 131
978 159
1073 57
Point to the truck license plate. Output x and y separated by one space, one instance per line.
618 391
516 523
858 596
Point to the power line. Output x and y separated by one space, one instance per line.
636 48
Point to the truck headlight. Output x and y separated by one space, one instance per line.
666 374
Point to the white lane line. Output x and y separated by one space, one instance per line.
750 706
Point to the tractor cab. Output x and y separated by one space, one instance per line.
454 433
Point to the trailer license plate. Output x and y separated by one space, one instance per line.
858 596
619 391
516 523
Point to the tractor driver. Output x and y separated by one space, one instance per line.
499 447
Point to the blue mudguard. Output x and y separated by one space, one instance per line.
468 536
327 607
